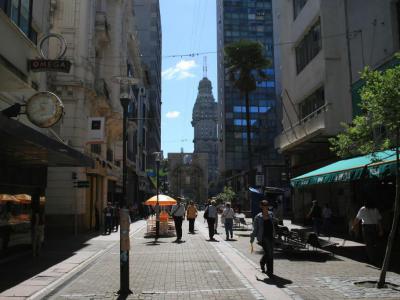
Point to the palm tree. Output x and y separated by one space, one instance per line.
245 63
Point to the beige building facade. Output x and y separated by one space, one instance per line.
103 48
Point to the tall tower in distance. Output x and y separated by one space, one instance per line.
204 122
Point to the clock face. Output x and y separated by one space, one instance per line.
44 109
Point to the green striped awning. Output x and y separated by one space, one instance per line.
379 165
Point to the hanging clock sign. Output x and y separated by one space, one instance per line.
44 109
45 63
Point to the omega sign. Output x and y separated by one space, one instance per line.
45 64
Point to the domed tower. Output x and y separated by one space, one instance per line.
204 121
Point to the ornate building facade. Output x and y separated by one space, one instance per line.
187 176
204 122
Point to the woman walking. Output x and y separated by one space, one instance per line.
191 215
227 216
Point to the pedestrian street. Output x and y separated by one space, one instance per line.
197 269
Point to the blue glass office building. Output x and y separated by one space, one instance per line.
251 20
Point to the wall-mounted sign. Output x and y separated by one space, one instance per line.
58 64
44 109
55 65
96 130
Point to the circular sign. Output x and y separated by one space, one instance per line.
60 38
44 109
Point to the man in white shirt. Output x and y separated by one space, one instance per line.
178 213
371 227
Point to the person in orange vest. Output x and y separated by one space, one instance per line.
191 215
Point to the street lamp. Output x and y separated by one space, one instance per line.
158 158
124 213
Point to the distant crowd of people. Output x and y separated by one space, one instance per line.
263 223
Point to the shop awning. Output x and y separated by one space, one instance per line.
379 165
23 145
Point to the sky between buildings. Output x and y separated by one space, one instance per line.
188 27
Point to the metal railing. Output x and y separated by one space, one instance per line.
308 117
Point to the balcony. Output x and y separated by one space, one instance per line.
308 128
102 29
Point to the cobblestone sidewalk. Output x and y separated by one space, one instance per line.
164 270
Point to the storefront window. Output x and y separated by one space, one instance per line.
15 220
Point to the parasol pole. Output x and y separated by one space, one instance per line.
158 158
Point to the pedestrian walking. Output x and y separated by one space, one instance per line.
227 216
326 220
191 215
178 213
38 232
205 210
216 222
212 215
315 215
116 217
157 211
371 227
108 218
263 230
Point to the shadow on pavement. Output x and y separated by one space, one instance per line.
358 253
276 280
243 233
312 256
21 265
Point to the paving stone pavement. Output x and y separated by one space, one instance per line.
198 269
315 275
165 270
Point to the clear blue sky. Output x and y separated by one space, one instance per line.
188 26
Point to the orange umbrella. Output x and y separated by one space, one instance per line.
163 200
7 197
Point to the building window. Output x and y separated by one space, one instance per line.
20 12
144 138
309 47
143 162
110 155
312 103
297 7
398 19
95 148
243 122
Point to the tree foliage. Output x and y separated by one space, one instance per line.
245 63
376 129
226 196
243 60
